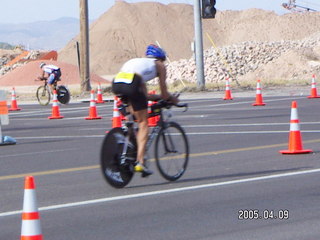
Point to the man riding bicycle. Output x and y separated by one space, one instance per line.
131 83
53 74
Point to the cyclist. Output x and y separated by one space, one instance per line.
131 83
53 74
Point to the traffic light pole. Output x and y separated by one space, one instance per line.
198 45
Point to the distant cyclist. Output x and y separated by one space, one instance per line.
131 82
50 72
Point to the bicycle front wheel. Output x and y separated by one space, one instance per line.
63 94
172 151
43 95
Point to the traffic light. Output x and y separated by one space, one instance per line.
208 9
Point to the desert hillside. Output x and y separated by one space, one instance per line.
242 45
124 30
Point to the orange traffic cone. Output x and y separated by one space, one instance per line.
227 95
314 93
99 95
31 227
55 107
14 105
119 103
259 101
116 119
152 121
295 139
93 109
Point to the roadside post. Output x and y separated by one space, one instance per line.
4 120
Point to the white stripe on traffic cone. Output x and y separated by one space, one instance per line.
295 138
93 108
31 227
55 107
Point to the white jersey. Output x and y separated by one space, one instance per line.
50 68
144 67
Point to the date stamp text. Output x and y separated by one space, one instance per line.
255 214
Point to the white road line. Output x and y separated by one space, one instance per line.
106 116
246 102
173 190
61 137
80 109
188 133
246 124
36 153
248 132
48 111
218 99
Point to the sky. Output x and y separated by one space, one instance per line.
27 11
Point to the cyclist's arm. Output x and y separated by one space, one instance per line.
42 77
162 74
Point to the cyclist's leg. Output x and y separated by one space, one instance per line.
140 111
142 135
139 107
51 80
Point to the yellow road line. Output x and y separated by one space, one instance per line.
48 172
66 170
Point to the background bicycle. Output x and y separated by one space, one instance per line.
44 94
119 148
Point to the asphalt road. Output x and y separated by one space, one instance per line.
236 173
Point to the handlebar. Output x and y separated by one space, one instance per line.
154 107
165 104
40 79
45 79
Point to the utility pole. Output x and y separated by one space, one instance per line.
84 47
198 45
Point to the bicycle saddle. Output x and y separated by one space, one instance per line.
124 99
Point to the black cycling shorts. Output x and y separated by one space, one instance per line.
130 86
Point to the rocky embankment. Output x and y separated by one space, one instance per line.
8 55
248 60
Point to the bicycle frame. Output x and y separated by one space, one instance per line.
157 128
129 130
152 136
45 83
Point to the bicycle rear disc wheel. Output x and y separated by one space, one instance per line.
43 95
172 151
116 175
63 94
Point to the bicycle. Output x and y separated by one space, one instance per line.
119 148
44 92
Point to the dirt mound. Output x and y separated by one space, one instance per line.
125 29
291 65
26 75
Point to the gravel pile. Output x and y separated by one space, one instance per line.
32 55
238 60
